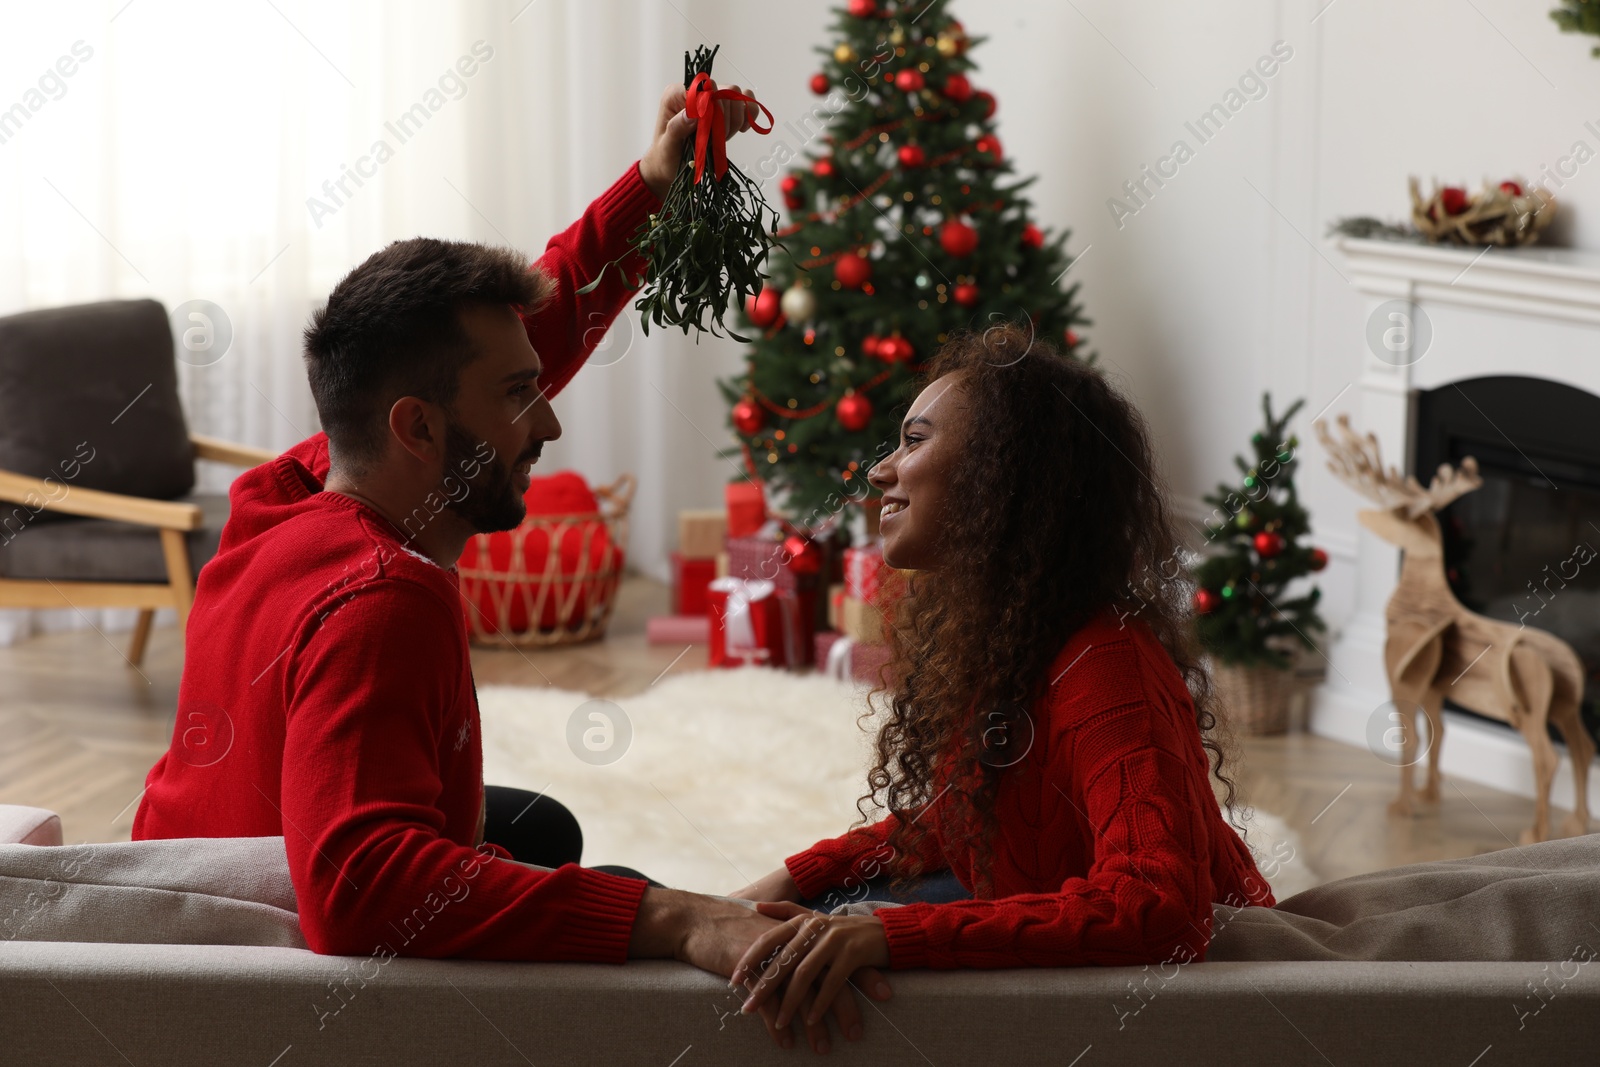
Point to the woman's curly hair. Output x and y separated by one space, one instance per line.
1058 514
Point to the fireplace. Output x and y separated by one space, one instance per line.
1512 377
1525 548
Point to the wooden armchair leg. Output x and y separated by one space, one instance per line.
176 551
141 635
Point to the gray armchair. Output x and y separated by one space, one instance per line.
97 501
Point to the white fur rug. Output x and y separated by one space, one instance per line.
725 774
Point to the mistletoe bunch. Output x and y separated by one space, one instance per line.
704 250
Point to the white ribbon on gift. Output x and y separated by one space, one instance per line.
738 627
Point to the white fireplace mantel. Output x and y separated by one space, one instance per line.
1532 312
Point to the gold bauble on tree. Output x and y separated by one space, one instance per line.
948 47
844 54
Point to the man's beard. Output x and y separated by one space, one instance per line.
491 501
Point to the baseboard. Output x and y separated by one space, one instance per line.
1474 750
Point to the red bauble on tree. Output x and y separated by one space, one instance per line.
1205 601
1032 236
804 556
912 155
748 418
863 9
909 80
895 349
823 168
869 347
965 294
958 239
1072 338
988 100
763 308
989 145
958 88
820 84
1268 543
854 412
790 187
853 271
1319 559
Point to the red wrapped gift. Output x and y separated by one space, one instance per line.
765 558
751 622
689 580
865 572
747 507
746 626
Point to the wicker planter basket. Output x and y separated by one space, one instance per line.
536 591
1254 700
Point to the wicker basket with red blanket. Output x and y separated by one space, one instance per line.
552 580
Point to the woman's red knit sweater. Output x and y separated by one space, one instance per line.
327 696
1110 846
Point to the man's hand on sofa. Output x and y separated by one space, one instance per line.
812 959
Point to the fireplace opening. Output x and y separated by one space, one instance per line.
1524 548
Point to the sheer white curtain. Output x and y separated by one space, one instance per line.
250 153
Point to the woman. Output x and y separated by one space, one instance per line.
1048 726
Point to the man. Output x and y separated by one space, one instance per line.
327 641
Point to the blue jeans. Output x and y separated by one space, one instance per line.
940 888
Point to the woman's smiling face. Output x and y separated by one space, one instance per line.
915 478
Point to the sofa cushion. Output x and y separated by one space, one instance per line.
184 891
99 550
89 396
1529 903
28 826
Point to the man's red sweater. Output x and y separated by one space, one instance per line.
327 696
1111 847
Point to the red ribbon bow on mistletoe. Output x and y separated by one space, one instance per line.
703 103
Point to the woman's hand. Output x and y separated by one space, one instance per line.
661 160
772 887
812 957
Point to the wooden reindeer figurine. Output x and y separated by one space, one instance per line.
1437 648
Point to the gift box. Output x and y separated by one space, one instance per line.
865 572
678 630
746 505
690 577
752 622
836 607
850 661
765 557
701 533
861 622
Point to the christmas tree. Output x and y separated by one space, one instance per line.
1256 534
903 229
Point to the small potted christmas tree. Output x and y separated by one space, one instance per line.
1255 537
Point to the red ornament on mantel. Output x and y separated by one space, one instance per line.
909 80
1319 559
823 168
1032 236
1268 543
1205 601
748 418
852 270
1454 198
763 308
958 239
1511 188
863 9
854 412
820 84
958 88
965 294
912 155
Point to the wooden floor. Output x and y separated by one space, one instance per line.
79 728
